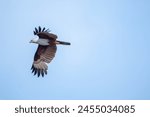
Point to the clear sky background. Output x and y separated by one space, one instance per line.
109 57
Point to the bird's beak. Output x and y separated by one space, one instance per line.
30 41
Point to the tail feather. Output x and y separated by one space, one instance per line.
63 43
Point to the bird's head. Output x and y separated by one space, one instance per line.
34 40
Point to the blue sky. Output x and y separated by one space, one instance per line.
109 57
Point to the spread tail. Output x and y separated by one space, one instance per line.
63 43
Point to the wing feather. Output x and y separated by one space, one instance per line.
43 56
36 30
44 33
43 29
39 29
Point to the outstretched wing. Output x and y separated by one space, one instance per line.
44 33
42 57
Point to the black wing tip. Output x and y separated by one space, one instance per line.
39 29
38 72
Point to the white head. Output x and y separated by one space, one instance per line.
34 40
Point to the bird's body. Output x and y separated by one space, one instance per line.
43 42
46 50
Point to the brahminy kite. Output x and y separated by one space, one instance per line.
46 50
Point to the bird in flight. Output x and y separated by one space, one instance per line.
46 50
